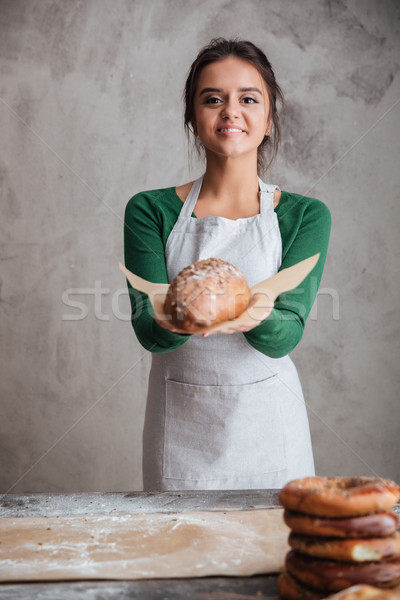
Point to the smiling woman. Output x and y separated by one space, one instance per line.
226 411
233 119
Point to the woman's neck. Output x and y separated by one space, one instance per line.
230 178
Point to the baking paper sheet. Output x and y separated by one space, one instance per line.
142 546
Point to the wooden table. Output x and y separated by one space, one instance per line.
210 588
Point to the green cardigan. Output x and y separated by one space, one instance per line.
304 225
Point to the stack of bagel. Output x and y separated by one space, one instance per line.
343 532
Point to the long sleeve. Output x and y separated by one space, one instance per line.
305 225
145 229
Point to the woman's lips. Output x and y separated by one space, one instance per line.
230 131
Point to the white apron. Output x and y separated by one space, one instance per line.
220 414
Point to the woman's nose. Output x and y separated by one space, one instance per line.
230 110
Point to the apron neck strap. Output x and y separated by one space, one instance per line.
266 197
190 202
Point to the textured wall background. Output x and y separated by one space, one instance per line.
91 113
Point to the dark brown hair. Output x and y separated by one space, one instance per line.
218 49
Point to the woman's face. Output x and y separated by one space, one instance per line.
231 108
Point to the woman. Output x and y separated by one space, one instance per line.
226 411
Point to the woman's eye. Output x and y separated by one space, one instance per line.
213 100
249 100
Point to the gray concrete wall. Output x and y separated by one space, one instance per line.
90 113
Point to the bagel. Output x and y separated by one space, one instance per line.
334 576
291 589
365 592
372 525
339 496
356 550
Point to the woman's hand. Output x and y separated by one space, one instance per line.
166 324
243 326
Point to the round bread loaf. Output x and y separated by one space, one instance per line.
205 293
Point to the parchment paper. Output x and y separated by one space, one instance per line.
142 546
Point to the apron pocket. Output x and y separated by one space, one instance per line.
215 432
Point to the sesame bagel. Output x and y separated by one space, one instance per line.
291 589
356 550
339 496
334 576
365 592
372 525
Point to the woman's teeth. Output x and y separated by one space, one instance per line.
224 129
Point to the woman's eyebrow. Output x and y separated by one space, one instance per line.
250 89
218 90
209 89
